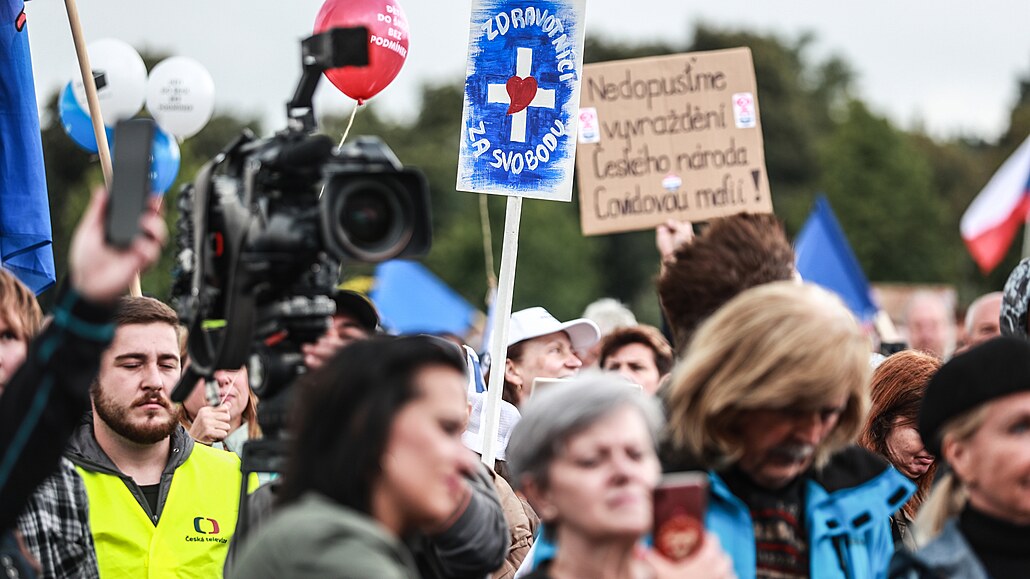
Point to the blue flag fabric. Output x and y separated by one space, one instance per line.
825 258
410 300
25 235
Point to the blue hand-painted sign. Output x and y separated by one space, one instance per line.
522 98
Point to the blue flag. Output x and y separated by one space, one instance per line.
825 258
25 235
412 300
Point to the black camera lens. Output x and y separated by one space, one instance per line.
368 216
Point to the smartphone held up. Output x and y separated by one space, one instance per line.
130 185
680 502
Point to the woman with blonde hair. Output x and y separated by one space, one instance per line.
890 431
976 416
233 421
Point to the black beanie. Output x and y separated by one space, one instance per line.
991 370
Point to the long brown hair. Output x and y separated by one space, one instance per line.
897 390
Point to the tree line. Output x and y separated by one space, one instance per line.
899 194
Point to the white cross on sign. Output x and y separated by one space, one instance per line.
498 93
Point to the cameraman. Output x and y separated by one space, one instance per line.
47 397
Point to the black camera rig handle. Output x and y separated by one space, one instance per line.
229 348
333 48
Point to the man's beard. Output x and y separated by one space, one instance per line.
117 416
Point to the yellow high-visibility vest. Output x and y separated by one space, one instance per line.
191 538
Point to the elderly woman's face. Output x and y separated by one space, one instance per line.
995 462
906 449
600 485
549 356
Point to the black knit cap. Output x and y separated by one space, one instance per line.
994 369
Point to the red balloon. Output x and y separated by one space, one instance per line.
387 43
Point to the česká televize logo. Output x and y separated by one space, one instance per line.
205 526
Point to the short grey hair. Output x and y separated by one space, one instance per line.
553 416
609 314
977 304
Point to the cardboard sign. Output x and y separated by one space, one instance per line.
671 137
518 128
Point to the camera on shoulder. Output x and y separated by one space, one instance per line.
268 223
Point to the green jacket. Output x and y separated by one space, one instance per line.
316 537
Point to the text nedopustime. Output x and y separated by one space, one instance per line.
686 100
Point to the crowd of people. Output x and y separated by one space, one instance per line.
821 458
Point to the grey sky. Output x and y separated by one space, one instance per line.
950 64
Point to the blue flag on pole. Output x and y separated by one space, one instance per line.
25 235
825 258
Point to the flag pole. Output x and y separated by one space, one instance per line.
94 109
1026 236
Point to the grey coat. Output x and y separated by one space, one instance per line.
948 556
315 538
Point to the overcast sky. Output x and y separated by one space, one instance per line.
950 64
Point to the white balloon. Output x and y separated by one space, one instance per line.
124 81
180 95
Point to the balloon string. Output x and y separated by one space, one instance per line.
346 131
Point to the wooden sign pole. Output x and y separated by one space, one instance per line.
499 338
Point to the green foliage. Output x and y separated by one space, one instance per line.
879 184
899 195
194 153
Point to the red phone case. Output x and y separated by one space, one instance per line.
680 502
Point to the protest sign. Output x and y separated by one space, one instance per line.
518 130
675 137
518 133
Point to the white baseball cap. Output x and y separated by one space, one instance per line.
535 322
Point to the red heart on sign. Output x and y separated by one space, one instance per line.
520 92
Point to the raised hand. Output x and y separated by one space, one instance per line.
211 424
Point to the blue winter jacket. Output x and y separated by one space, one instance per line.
848 505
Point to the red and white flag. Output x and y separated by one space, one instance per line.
993 218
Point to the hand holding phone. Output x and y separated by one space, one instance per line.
130 186
680 502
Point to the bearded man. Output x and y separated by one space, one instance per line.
160 505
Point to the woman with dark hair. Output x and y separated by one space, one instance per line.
641 354
376 454
898 386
